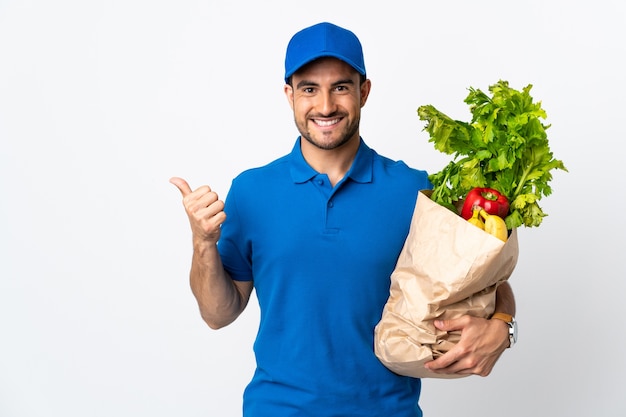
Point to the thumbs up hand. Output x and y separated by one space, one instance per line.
204 209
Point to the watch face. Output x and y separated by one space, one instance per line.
513 332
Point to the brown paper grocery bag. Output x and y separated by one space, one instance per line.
447 268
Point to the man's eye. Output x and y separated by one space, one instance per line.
308 90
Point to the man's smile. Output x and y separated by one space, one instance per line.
326 123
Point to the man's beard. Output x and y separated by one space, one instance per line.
345 137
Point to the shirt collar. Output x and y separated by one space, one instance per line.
360 171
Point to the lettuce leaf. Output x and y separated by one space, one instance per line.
504 146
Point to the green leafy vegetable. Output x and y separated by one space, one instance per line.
504 147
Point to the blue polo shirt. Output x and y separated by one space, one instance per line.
321 258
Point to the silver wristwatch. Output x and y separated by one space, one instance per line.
510 321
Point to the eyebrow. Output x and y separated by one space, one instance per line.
305 83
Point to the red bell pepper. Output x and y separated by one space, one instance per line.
489 199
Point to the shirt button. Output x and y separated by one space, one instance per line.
331 204
320 182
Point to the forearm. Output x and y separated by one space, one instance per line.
505 303
219 298
505 300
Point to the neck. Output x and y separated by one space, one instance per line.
335 163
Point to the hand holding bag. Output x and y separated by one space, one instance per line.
447 268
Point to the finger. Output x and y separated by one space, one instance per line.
459 365
205 207
182 185
452 324
453 368
443 362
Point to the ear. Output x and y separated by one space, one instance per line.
365 91
289 94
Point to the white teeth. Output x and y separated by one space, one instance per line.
325 123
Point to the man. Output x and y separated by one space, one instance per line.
317 234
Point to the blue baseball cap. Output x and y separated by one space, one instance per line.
323 40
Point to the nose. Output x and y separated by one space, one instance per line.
327 103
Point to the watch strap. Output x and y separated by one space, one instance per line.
507 318
510 321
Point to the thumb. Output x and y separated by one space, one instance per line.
182 185
449 325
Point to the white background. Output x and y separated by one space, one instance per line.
102 101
